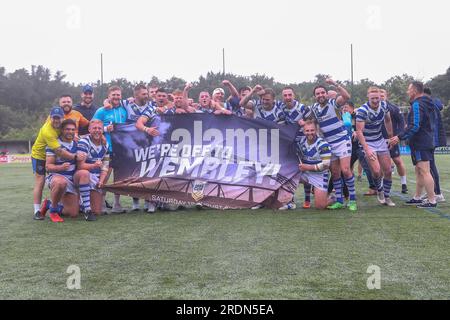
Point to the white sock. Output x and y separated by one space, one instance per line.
403 179
37 206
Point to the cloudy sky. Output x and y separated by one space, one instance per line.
287 39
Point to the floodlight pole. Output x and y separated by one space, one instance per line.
101 68
223 61
351 64
101 74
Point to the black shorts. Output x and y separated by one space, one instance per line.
395 152
111 160
38 166
421 155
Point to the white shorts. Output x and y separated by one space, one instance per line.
342 149
379 146
93 181
317 179
70 187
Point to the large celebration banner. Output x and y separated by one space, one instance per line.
222 162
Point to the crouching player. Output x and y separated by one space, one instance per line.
92 165
315 157
63 195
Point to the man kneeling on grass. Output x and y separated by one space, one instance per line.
315 157
64 198
92 165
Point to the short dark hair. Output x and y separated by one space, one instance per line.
66 122
427 90
269 91
288 88
161 90
245 88
319 86
65 96
418 85
139 87
350 103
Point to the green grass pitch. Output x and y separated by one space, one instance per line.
301 254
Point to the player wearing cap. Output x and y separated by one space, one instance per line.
92 171
206 104
369 122
232 103
47 137
219 96
63 195
86 107
315 157
327 113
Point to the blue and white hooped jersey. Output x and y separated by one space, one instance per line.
330 121
296 113
234 106
276 114
315 153
69 147
374 120
205 110
94 152
134 112
166 111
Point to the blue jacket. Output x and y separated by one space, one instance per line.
421 122
398 122
440 138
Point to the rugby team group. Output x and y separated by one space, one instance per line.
73 153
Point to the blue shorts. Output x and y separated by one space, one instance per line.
38 166
395 152
421 155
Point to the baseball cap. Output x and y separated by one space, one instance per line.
57 112
217 90
88 88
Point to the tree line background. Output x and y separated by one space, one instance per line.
26 96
